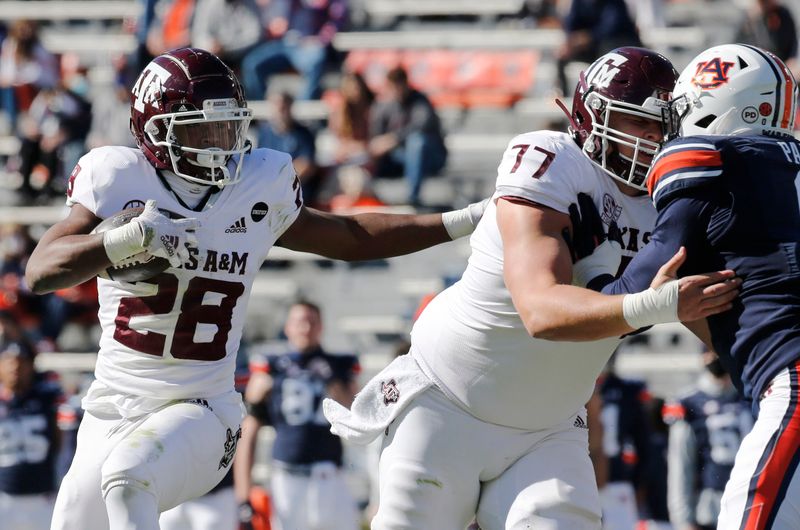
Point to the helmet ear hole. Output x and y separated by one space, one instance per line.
705 121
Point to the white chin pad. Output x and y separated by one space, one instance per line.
210 159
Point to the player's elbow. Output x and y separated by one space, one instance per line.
541 326
36 280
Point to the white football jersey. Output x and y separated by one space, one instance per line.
470 339
176 335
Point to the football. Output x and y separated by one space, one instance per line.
136 268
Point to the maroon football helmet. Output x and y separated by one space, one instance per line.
628 80
189 115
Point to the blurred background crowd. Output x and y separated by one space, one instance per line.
392 104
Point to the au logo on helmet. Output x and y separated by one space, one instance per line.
711 74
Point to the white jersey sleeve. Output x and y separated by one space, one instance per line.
540 167
289 200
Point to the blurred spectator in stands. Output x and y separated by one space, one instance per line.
706 428
25 68
592 28
308 489
406 136
111 113
626 447
770 25
228 28
284 133
301 32
356 191
53 134
77 306
540 13
29 440
15 299
647 14
140 56
349 120
171 27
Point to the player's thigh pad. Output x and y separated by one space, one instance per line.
764 487
428 472
551 487
436 457
179 452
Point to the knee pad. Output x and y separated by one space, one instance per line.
125 468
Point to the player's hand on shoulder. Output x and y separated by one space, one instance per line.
165 237
699 295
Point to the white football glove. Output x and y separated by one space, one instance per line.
460 223
165 237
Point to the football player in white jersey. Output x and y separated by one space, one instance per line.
485 417
162 418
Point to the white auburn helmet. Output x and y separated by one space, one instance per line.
733 89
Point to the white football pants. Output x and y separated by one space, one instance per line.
174 454
440 466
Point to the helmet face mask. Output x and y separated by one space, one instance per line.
733 89
627 81
189 115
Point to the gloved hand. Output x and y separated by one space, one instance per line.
165 237
460 223
245 513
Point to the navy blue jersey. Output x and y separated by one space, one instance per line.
625 429
302 434
718 423
29 439
733 203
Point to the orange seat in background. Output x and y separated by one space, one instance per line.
454 78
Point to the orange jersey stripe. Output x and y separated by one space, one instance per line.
788 94
682 159
769 482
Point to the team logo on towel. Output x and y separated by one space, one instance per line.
390 392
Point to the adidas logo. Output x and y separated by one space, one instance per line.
580 423
237 227
170 242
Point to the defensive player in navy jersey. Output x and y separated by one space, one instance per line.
29 440
625 445
707 425
727 191
308 491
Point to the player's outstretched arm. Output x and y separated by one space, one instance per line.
67 254
538 273
376 235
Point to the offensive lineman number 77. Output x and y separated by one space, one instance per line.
523 148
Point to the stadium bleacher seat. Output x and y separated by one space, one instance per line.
454 78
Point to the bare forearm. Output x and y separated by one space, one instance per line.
363 236
66 262
564 312
243 461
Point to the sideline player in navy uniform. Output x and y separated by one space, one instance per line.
727 191
308 489
706 429
29 440
625 445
